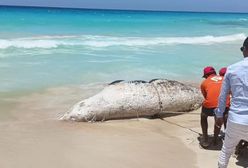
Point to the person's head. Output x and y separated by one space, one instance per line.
222 71
244 48
207 71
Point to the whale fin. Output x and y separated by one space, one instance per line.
115 82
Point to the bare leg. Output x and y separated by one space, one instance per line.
204 126
216 133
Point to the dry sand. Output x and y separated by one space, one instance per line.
32 137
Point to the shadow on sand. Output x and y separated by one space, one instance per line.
211 145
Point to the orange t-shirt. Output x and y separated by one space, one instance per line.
210 89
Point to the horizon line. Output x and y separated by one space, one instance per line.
116 9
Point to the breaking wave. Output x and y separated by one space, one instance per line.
49 42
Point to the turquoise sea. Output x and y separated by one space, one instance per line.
48 47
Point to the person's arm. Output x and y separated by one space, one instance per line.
203 90
225 91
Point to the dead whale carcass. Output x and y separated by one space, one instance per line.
135 99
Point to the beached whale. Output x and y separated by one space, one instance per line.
136 99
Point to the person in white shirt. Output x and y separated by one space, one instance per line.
236 83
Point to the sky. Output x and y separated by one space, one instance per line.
164 5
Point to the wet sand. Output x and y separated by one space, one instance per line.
32 136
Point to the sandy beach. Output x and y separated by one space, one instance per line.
32 136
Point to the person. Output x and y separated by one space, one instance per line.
242 144
236 82
210 89
222 72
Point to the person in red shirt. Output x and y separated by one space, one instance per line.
210 89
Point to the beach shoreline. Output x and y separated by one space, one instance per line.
34 136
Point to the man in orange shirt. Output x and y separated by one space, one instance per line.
210 89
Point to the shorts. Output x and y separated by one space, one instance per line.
210 111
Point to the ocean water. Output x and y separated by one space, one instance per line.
47 47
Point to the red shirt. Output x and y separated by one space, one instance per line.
210 89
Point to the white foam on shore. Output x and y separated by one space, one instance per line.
49 42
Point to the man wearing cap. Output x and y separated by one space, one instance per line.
236 82
210 89
222 71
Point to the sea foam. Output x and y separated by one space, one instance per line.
49 42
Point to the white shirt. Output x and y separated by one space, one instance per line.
236 82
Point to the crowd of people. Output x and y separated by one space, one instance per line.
226 98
